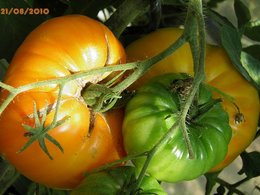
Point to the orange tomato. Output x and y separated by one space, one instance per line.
220 74
60 47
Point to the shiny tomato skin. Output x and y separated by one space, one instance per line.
220 73
154 109
62 46
116 181
59 47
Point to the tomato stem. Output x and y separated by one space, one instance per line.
151 153
59 81
117 162
7 87
145 65
140 69
54 121
194 33
125 14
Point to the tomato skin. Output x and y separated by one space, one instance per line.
60 47
153 111
220 73
113 180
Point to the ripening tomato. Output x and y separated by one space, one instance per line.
243 108
60 47
155 108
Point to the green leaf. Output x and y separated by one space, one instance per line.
125 14
15 27
242 13
252 31
90 7
251 162
211 182
43 190
3 68
56 7
214 3
218 19
252 66
29 2
230 40
253 50
173 2
26 186
8 175
23 185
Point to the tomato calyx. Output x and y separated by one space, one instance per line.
185 135
182 87
202 110
239 116
40 131
100 97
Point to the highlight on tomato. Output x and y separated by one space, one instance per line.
58 153
239 98
155 109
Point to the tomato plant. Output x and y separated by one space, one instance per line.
52 90
73 138
117 181
239 98
155 109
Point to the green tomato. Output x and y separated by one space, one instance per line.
153 111
117 181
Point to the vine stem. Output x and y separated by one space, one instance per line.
7 87
194 31
151 153
59 81
139 69
117 162
144 66
54 121
120 19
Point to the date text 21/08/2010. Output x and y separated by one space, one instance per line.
24 11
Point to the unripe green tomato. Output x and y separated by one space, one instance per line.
117 181
155 109
243 110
